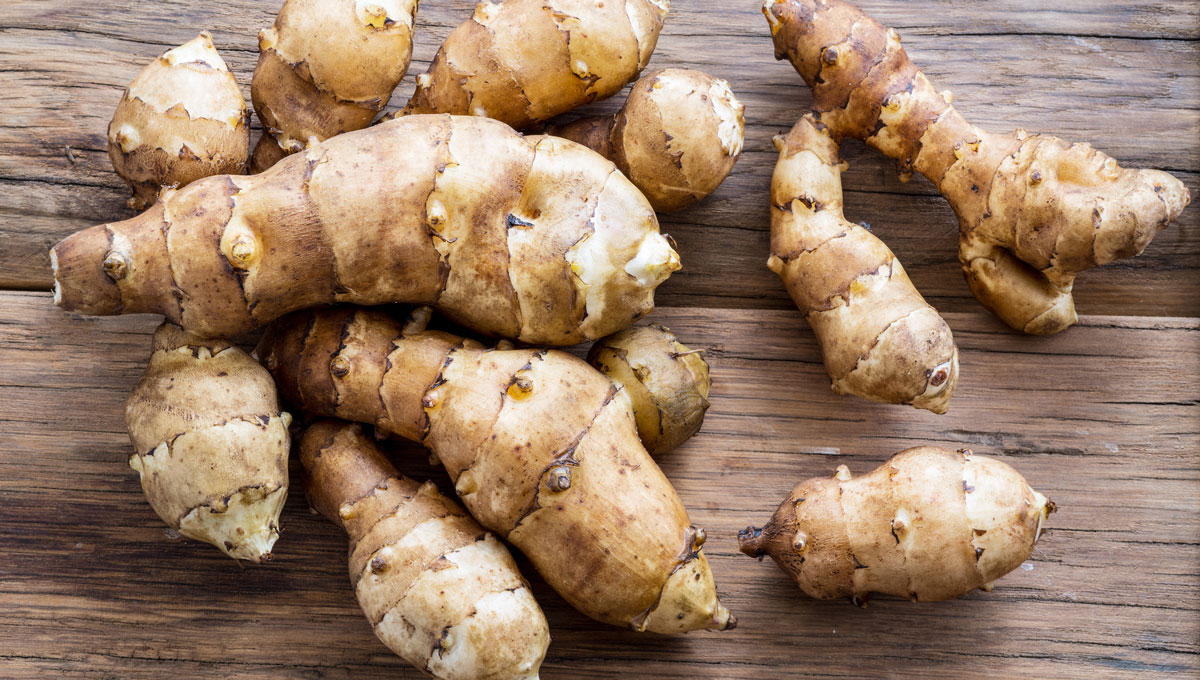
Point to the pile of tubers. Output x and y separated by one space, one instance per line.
549 240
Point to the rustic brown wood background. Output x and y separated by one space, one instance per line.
1102 418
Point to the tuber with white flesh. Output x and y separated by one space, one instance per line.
929 524
210 443
676 138
542 448
182 118
534 238
439 590
879 338
667 383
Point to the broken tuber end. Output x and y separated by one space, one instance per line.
750 541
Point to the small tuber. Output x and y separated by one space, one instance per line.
929 524
879 338
210 443
181 119
326 67
542 448
676 138
1033 210
667 383
440 591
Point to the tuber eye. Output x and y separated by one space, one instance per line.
560 479
115 265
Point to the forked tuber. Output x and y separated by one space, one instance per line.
181 119
440 591
526 61
667 383
677 136
210 443
542 448
533 238
327 67
929 524
1033 210
879 338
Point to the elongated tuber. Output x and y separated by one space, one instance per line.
534 238
879 337
210 443
542 448
929 524
677 136
439 590
526 61
1033 210
181 119
327 67
667 383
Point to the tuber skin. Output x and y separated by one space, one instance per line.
542 448
534 238
440 591
326 67
1033 210
676 138
210 443
667 383
929 524
526 61
182 118
879 338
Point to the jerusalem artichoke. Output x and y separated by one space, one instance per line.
327 67
1033 210
667 383
534 238
439 590
525 61
676 138
210 443
929 524
879 337
542 448
181 119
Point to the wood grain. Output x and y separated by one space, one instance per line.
1124 76
1102 419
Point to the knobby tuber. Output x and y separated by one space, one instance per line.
534 238
210 443
542 448
667 383
676 138
181 119
1033 210
526 61
929 524
879 338
439 590
327 67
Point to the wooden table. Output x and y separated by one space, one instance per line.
1102 418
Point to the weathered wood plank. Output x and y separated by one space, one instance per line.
1103 419
1124 76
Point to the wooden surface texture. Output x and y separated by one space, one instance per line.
1102 418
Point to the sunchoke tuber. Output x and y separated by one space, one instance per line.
327 67
676 138
929 524
667 383
1033 210
526 61
440 591
879 338
210 443
534 238
181 119
542 448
